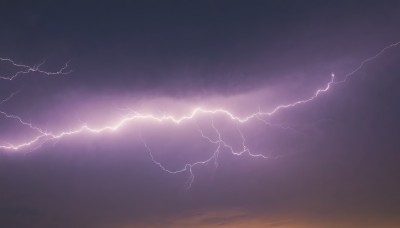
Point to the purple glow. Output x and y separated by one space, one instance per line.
139 119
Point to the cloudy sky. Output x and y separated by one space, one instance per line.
329 162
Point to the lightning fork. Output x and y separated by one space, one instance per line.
25 69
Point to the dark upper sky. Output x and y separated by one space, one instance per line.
337 166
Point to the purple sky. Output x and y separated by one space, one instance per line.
330 162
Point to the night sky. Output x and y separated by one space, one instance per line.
333 161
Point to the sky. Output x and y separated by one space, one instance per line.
144 121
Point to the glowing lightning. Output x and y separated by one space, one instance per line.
219 142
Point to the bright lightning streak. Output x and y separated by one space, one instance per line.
221 145
25 69
137 117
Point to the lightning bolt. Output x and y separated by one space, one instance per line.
347 76
25 69
218 141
